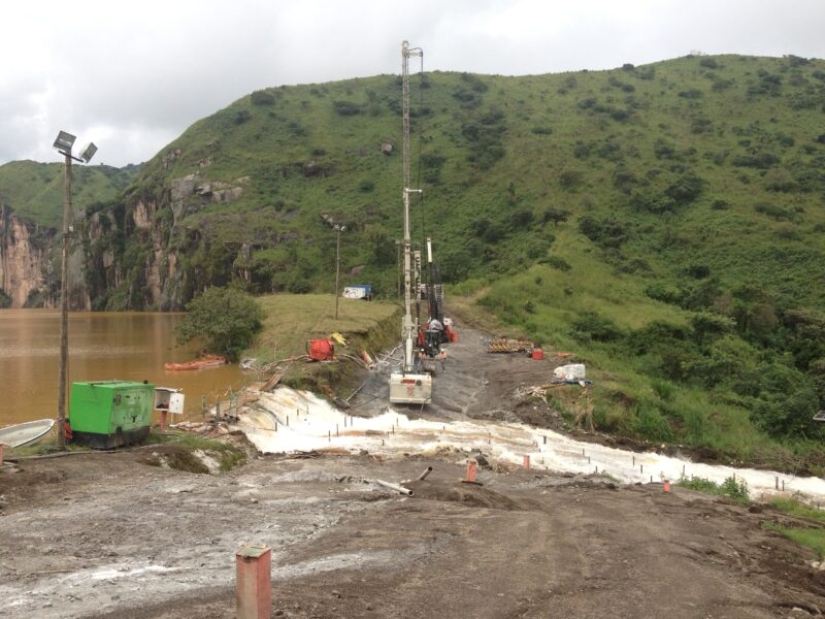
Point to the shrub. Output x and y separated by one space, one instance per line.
591 326
774 212
664 389
262 97
685 190
557 262
701 125
692 93
604 232
347 108
720 85
736 489
651 425
226 318
569 179
555 215
241 116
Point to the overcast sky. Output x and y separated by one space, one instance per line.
133 76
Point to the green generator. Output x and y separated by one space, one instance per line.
109 414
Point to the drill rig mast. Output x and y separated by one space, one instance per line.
411 385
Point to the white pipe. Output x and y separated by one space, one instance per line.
426 472
395 487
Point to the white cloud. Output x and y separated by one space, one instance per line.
133 77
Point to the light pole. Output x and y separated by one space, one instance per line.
338 229
63 144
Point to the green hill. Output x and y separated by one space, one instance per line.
35 190
664 222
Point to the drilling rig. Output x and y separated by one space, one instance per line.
410 385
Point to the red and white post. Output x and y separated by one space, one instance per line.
472 467
253 582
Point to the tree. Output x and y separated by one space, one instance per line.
226 318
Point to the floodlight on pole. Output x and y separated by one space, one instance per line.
88 152
63 144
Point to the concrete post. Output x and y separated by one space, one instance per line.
253 586
472 466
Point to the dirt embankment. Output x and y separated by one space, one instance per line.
103 535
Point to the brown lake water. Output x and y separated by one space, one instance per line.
102 346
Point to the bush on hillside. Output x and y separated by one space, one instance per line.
262 97
557 262
347 108
649 424
226 319
606 232
556 215
685 189
591 326
785 403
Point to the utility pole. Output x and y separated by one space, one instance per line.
63 144
64 306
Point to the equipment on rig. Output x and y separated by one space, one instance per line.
410 385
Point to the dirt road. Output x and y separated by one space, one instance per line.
103 535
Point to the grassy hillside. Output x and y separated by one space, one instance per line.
35 190
665 222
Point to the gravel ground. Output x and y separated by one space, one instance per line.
104 535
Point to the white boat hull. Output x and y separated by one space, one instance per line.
27 433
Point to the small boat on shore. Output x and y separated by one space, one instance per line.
26 433
208 361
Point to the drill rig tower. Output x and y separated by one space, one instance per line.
410 385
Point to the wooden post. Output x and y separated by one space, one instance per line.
2 446
526 462
253 582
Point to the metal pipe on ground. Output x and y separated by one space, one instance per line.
392 486
426 472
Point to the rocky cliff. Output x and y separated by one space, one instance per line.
30 265
24 262
135 249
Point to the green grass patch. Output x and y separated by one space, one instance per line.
736 489
797 508
184 456
810 538
292 319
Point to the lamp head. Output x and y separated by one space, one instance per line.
87 153
64 142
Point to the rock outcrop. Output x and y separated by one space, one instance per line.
23 262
